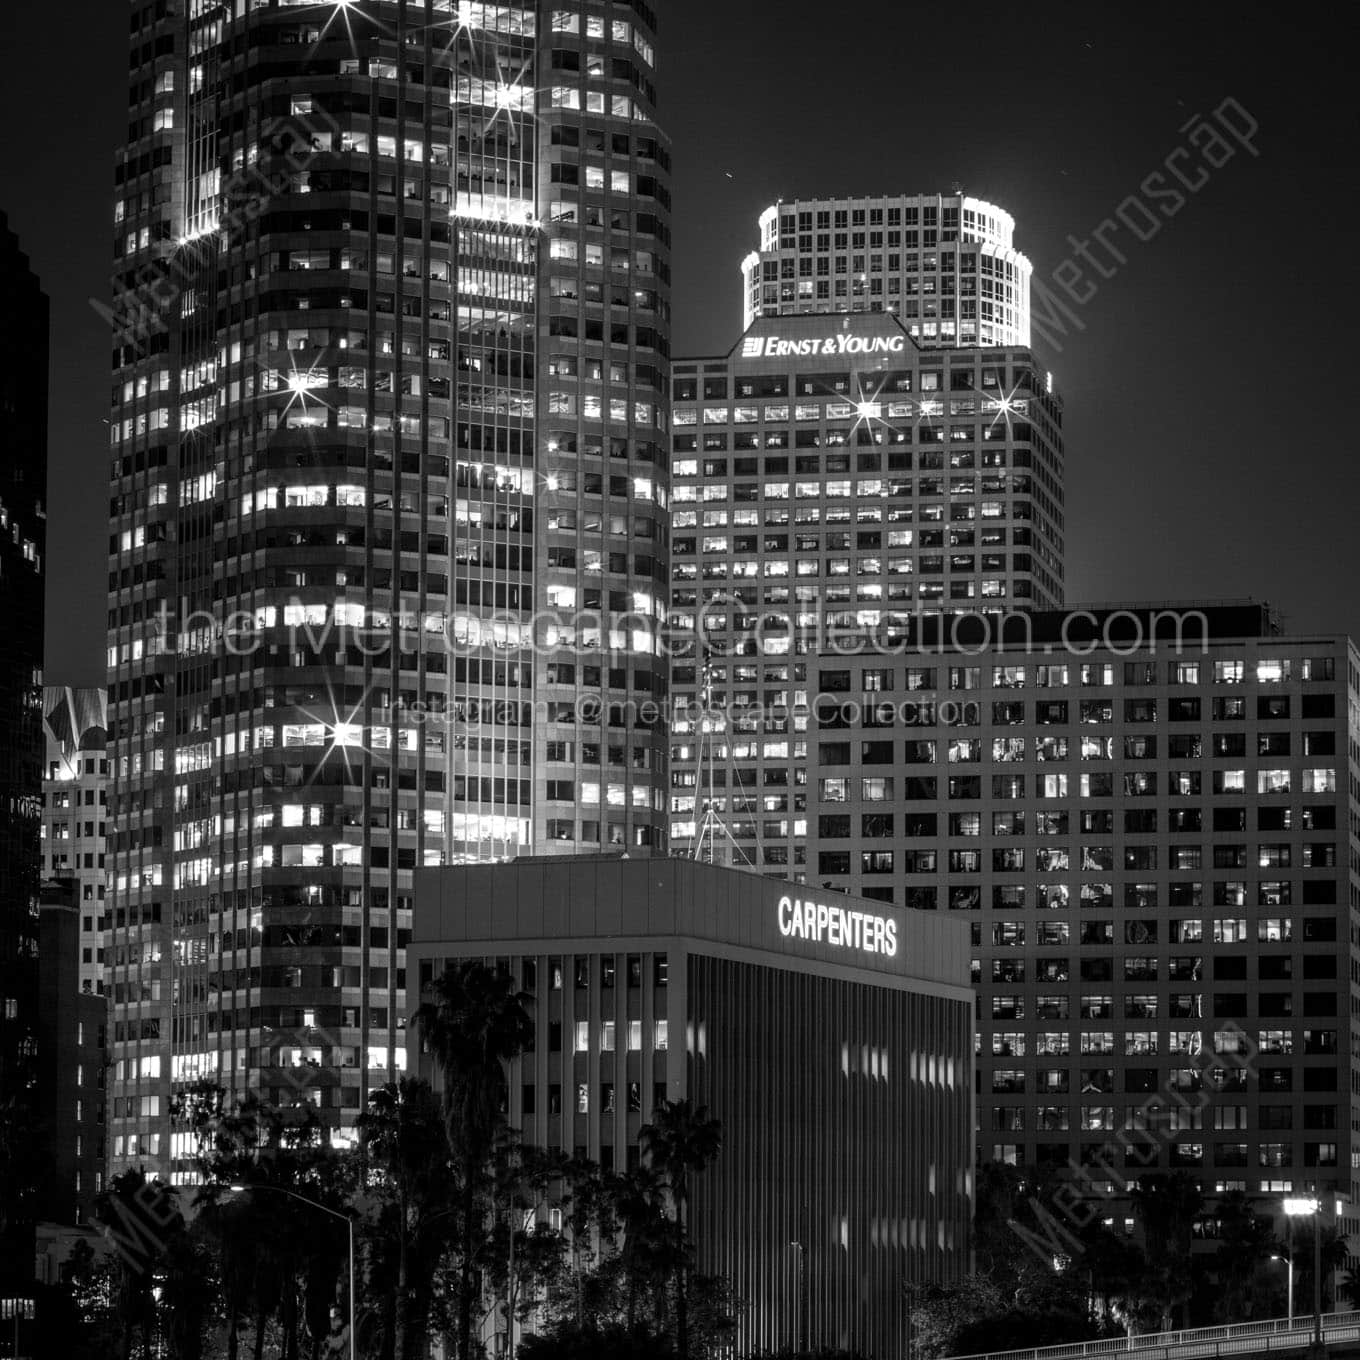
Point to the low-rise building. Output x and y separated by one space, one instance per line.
830 1035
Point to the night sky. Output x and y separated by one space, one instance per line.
1206 454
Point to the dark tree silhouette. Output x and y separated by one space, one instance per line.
474 1023
681 1141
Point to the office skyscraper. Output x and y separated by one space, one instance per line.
943 263
1152 841
834 483
391 318
23 533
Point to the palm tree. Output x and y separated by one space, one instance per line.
590 1215
1167 1207
1244 1242
648 1255
1334 1256
681 1141
474 1023
403 1135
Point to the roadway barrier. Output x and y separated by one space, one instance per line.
1197 1343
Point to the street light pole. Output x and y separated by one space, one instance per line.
803 1300
801 1244
510 1291
1317 1276
334 1213
1298 1207
1289 1267
1290 1220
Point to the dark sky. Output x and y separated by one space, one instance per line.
1207 455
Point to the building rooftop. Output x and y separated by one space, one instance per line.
546 902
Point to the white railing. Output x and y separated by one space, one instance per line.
1240 1338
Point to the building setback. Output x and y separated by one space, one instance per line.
75 725
23 534
391 318
830 1036
944 263
1155 849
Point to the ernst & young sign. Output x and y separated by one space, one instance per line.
776 347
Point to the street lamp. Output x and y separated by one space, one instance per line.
1296 1206
1338 1232
1288 1260
802 1295
334 1213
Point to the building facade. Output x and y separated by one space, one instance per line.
23 536
391 331
71 1085
1155 848
833 483
944 264
75 726
822 1034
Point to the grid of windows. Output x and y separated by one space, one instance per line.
1155 857
74 813
818 505
1153 849
943 263
408 398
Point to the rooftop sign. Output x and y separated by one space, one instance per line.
840 926
832 346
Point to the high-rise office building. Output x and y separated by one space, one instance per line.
944 263
1155 840
75 779
391 325
23 533
833 483
1155 847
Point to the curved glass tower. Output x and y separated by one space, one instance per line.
943 263
389 505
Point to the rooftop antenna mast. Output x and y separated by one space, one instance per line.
712 825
